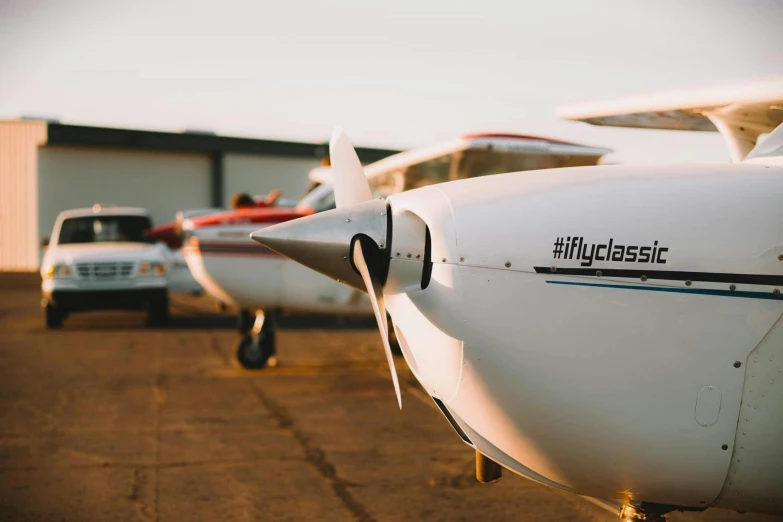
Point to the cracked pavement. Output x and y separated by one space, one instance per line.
107 420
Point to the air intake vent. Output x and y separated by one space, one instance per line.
426 271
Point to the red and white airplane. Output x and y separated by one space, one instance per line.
611 331
234 269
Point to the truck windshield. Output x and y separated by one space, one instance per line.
102 229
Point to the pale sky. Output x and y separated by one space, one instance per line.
395 74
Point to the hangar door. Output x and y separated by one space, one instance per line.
72 177
258 175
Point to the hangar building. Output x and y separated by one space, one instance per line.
47 167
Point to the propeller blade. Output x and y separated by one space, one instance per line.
375 291
350 183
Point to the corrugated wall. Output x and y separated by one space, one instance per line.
19 241
261 174
79 177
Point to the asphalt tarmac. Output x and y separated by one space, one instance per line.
108 420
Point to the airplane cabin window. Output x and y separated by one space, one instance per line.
385 184
428 173
483 162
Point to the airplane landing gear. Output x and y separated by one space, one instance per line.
245 321
256 348
487 470
650 511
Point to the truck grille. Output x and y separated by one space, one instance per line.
105 271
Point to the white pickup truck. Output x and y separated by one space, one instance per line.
100 258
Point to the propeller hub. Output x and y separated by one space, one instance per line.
324 241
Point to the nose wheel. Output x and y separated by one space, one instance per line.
256 348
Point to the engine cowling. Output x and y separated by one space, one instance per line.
604 330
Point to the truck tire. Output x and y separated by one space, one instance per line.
53 316
158 311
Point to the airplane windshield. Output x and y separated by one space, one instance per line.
470 163
473 163
770 147
319 199
104 229
483 162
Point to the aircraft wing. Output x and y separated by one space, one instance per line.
741 112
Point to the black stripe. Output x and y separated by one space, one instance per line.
446 413
671 275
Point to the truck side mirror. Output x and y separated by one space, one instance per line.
45 242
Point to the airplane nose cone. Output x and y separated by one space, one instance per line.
323 241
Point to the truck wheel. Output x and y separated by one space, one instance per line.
158 311
54 316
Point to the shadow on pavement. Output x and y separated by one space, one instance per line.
298 322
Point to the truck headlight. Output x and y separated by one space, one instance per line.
152 269
58 270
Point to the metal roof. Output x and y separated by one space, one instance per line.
87 136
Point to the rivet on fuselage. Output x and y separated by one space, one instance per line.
688 283
732 287
598 273
776 291
737 364
553 269
461 259
345 258
409 255
347 220
398 254
383 213
418 256
443 260
780 257
644 278
508 265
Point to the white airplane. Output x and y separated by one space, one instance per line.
611 331
236 270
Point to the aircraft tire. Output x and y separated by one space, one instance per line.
53 316
255 357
